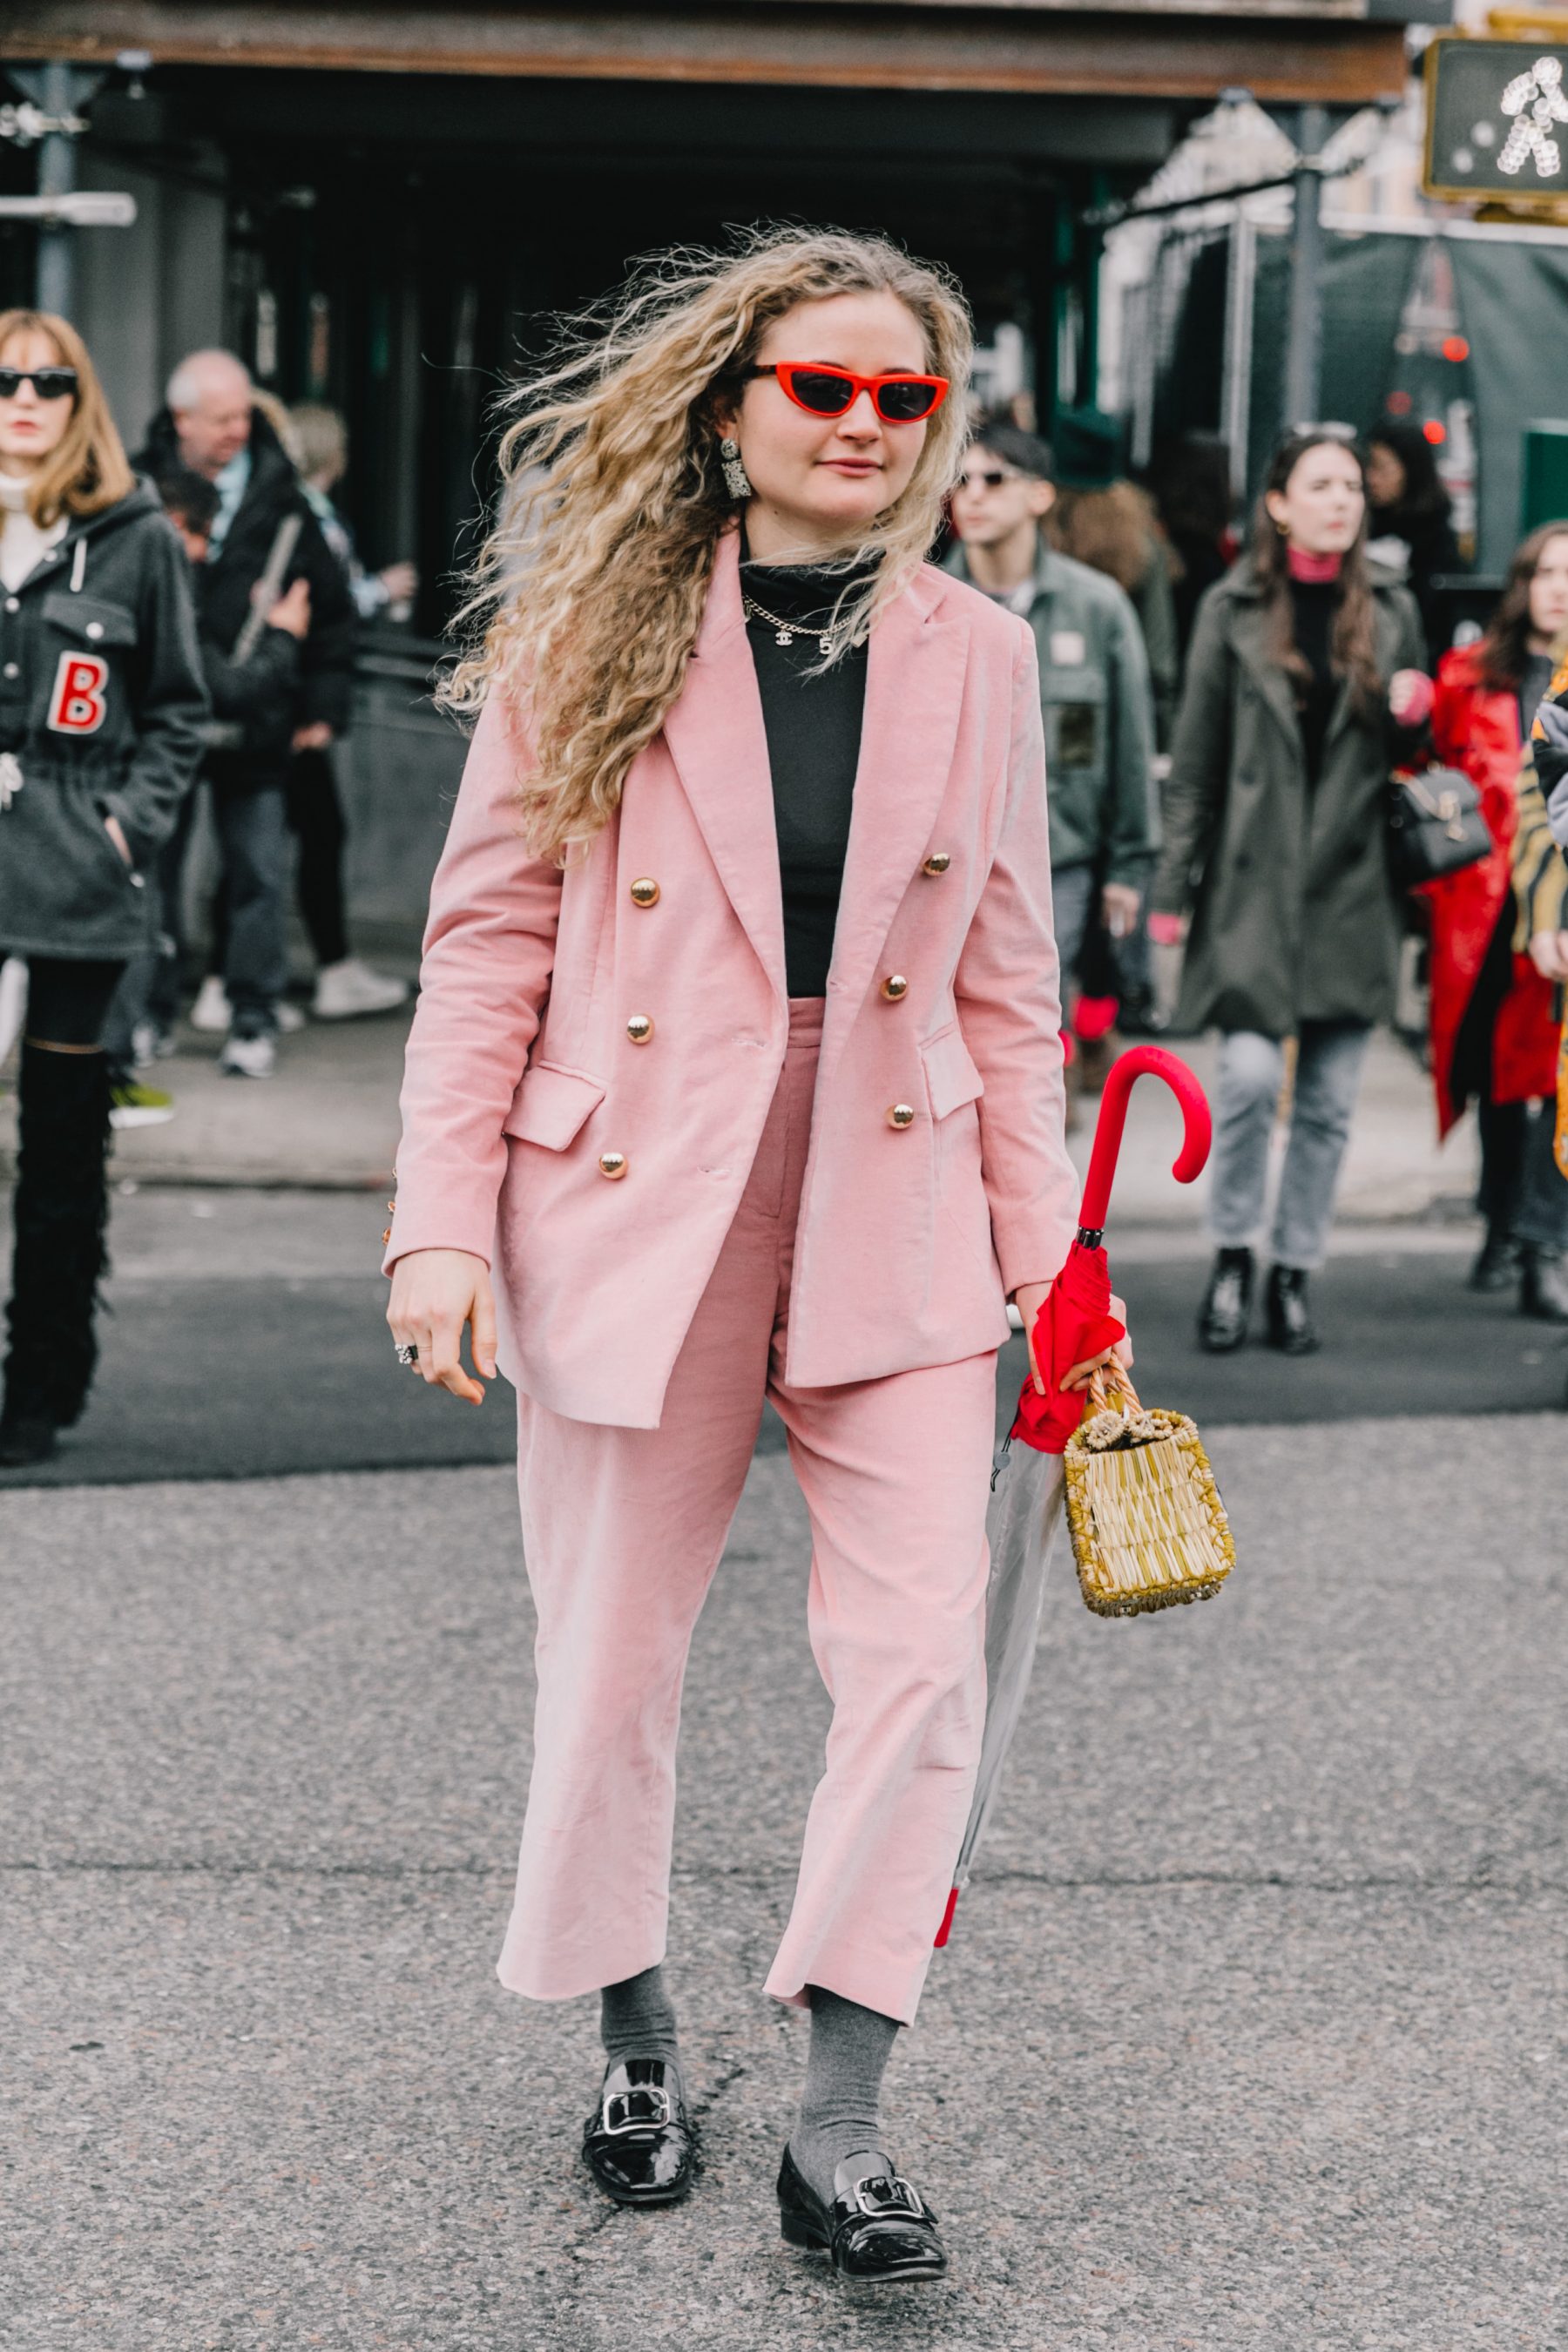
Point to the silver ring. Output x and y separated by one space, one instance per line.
408 1353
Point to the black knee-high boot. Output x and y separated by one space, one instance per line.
60 1213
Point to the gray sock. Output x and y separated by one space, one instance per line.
636 2021
850 2047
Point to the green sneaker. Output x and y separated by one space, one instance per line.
134 1105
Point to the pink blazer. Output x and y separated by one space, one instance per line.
523 1088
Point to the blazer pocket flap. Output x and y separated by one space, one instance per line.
952 1078
91 618
551 1105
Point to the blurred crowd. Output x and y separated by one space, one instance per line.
1240 714
1269 770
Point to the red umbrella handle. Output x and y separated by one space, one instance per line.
1197 1125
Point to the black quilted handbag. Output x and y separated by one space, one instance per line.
1434 827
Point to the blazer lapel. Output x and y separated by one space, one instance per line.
720 747
914 685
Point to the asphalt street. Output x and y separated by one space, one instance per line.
246 1340
1250 2038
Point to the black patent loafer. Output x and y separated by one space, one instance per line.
1227 1303
878 2231
1291 1326
638 2144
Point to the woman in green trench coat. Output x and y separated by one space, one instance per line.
1302 678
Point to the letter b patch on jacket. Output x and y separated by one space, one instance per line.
76 706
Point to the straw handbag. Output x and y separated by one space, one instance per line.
1147 1527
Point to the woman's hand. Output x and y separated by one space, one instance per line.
1119 908
1549 954
1410 696
116 833
291 613
434 1293
1029 1300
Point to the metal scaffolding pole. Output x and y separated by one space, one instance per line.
1304 349
56 90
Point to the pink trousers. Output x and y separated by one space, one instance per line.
623 1530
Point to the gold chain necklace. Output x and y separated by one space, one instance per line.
786 632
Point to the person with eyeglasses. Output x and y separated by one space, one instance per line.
1095 694
264 538
736 1075
1304 683
101 710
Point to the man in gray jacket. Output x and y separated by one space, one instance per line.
1094 686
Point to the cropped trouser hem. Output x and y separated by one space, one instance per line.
622 1531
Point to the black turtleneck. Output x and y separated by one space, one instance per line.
1313 603
814 748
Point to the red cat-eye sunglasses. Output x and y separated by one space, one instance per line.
821 391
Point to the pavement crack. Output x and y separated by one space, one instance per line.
704 2106
1485 1879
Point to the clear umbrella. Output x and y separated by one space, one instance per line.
1025 1511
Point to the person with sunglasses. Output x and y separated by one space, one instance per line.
101 710
736 1075
1095 694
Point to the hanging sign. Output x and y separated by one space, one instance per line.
1497 119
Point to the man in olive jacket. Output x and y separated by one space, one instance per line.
1094 686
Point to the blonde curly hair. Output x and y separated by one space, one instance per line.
588 597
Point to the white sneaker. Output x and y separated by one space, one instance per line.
249 1057
343 990
290 1019
210 1012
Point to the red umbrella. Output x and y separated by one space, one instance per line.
1075 1323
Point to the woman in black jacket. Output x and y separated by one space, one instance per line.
1408 525
1304 677
102 708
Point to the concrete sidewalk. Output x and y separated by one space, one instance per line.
1248 2039
329 1119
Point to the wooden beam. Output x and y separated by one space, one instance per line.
809 43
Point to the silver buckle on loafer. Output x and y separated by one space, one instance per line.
657 2109
881 2193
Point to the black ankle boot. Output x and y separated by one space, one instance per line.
1227 1302
59 1213
26 1438
1291 1326
1497 1262
1543 1284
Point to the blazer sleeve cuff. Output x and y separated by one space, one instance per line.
1030 1249
469 1226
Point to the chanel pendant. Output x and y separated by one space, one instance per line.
785 638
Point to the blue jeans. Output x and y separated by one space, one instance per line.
254 844
1328 1056
1073 899
1522 1193
150 989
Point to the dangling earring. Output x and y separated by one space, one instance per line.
737 481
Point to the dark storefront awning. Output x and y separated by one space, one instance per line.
1339 52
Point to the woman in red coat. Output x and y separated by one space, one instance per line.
1493 1035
